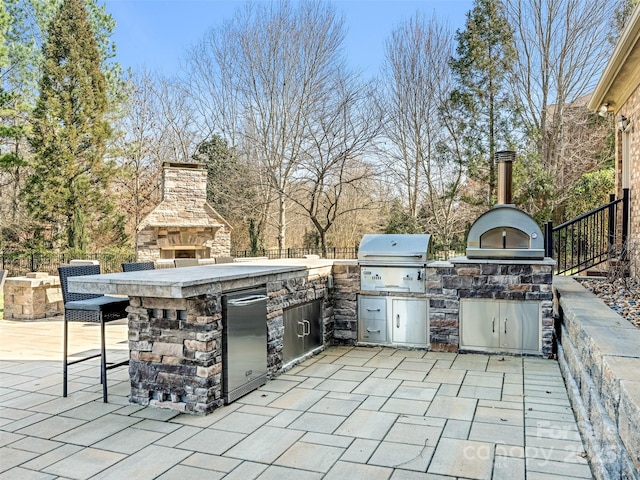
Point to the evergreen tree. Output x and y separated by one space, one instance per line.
484 55
66 188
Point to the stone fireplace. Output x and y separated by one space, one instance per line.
183 225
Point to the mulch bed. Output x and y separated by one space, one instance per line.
622 295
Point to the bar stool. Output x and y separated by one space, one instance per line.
84 307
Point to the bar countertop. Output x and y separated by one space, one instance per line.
188 282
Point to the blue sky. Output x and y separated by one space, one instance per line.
156 33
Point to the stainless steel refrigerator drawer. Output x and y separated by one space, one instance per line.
244 342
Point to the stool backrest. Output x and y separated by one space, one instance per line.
76 271
186 262
138 266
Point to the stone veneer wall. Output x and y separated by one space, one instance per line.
176 344
176 357
444 307
346 280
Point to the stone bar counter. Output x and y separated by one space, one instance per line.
175 323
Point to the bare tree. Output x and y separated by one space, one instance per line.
341 132
272 64
562 47
420 133
158 126
136 151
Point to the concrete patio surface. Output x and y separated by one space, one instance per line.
347 413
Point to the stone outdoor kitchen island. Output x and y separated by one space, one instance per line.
175 323
176 317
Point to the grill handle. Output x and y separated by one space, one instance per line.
250 300
395 255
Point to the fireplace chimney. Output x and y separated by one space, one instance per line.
504 160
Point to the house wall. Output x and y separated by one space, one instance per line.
631 110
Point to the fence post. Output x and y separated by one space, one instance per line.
612 224
548 239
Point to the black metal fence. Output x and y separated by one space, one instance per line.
590 239
442 252
20 263
299 252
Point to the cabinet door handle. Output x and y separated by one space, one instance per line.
505 325
300 324
493 325
398 320
373 331
307 327
373 309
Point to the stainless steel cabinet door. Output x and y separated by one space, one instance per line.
293 340
480 323
520 326
409 321
312 320
372 319
302 329
494 325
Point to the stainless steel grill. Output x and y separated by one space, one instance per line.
504 231
394 263
392 308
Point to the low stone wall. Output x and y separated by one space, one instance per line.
36 295
599 356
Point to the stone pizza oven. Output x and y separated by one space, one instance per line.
183 225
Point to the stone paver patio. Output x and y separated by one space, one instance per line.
348 413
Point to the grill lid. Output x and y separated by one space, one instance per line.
505 232
394 249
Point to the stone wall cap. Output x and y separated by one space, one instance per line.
37 275
502 261
345 261
27 282
440 264
192 281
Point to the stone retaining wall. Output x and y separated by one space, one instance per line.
599 356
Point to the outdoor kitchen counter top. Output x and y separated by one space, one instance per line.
186 282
